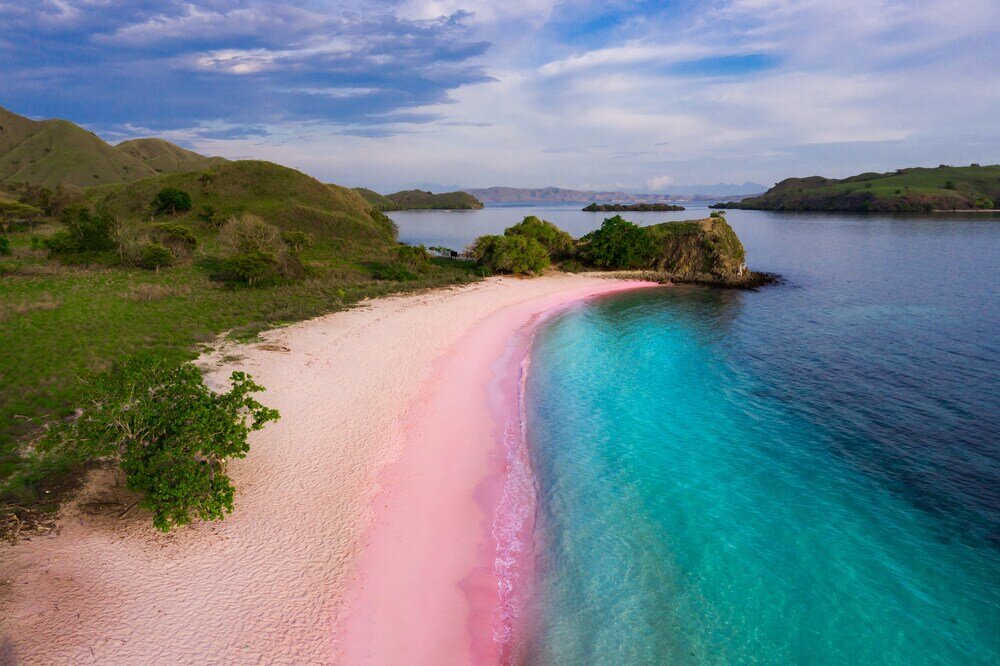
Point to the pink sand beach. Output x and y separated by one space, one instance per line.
383 520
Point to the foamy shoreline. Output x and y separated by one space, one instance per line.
362 394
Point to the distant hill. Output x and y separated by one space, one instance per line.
904 190
563 195
58 152
165 157
378 201
419 200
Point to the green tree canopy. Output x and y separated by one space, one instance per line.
511 254
172 200
619 244
557 242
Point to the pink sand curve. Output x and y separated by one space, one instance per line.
443 567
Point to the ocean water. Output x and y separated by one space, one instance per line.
809 473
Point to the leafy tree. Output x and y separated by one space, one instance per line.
155 256
175 236
172 200
619 244
171 433
12 212
558 243
511 254
84 233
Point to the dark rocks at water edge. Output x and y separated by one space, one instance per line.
637 207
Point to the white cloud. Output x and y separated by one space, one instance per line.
659 182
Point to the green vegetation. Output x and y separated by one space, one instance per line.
639 207
618 244
420 200
75 296
172 200
905 190
171 434
557 242
56 152
520 255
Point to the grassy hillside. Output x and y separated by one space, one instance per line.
376 200
905 190
57 152
164 157
60 319
418 199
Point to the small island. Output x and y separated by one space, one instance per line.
917 190
632 208
420 200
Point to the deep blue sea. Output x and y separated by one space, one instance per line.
809 473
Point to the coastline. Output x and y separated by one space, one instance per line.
269 582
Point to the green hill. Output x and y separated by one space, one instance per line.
164 157
904 190
57 152
419 199
340 222
378 201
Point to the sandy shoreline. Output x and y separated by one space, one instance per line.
268 584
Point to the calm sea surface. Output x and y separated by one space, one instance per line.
805 474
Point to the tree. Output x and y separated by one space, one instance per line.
84 233
12 212
557 242
511 254
172 435
619 244
250 267
171 200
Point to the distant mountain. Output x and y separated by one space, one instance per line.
58 152
563 195
903 190
420 199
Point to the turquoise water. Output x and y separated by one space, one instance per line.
805 474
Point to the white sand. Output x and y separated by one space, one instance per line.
266 584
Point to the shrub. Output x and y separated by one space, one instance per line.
394 271
171 434
720 214
558 243
155 256
175 236
412 257
249 233
296 240
210 216
619 244
983 202
511 254
84 232
949 185
384 222
171 200
250 267
4 246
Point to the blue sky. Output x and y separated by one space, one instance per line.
579 93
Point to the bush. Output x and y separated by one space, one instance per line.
210 216
251 267
296 240
557 242
983 202
949 185
171 434
84 232
4 246
394 271
511 254
619 244
155 256
171 200
412 257
174 236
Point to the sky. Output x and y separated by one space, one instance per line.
623 94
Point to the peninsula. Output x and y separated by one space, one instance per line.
915 190
420 200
